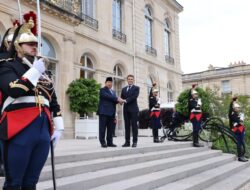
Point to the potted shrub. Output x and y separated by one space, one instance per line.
84 98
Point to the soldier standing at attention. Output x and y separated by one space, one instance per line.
5 57
29 102
236 119
155 114
195 109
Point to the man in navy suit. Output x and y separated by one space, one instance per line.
129 96
106 112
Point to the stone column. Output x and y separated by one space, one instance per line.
67 76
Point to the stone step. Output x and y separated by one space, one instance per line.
237 181
207 178
73 168
101 177
78 155
159 178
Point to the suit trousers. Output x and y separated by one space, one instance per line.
106 122
240 136
26 153
130 119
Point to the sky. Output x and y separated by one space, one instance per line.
214 32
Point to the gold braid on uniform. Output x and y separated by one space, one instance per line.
45 91
47 87
38 101
15 85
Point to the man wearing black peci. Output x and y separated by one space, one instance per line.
106 112
130 94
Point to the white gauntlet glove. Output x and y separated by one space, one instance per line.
59 128
39 65
35 72
199 102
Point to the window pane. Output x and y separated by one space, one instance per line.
116 15
48 49
119 71
89 63
147 11
148 32
88 7
51 71
166 40
86 62
226 88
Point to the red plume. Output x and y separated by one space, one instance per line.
16 23
193 85
27 17
235 98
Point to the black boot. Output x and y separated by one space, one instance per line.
29 188
155 135
241 157
196 140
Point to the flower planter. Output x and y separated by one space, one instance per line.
86 128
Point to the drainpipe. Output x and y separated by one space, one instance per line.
134 42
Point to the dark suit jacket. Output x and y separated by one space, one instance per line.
131 98
107 102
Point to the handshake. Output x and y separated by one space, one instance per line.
121 101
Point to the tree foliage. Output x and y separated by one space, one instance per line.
206 96
83 95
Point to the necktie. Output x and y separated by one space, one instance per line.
129 88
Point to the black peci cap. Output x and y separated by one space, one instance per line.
109 79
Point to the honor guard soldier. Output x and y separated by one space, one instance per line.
236 119
155 114
29 105
5 57
195 116
6 43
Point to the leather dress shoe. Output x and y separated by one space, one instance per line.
126 145
104 145
112 145
157 141
242 159
198 145
134 145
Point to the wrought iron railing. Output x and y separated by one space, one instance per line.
169 59
72 8
89 21
119 36
212 130
151 50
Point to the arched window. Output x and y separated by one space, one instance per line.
117 71
167 38
88 8
117 18
48 51
87 69
148 26
170 92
